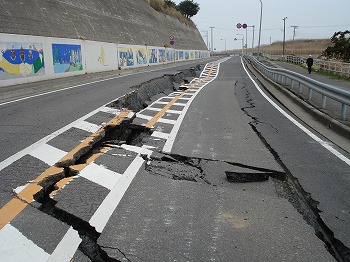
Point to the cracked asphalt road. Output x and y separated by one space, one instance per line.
190 211
241 183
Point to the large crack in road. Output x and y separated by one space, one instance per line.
181 168
291 189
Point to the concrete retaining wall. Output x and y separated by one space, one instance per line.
131 22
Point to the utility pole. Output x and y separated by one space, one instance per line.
261 12
205 34
295 27
284 34
212 41
253 39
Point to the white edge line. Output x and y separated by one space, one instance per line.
323 143
172 136
28 149
67 247
93 82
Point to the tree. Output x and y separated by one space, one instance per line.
341 48
169 3
188 8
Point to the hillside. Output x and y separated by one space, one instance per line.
115 21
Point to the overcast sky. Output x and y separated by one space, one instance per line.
314 18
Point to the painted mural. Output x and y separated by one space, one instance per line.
192 54
181 55
66 58
153 56
19 59
162 56
170 56
141 56
126 57
102 58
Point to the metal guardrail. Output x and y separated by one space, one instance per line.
291 79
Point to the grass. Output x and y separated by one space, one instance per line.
300 47
160 7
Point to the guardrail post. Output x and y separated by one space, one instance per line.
291 84
300 88
309 94
343 111
324 100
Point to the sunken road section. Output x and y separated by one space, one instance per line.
119 139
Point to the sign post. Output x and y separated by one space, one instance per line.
172 40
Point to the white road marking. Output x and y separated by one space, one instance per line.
323 143
110 110
66 249
100 175
154 108
90 127
138 115
166 121
14 246
161 134
110 203
172 136
71 241
48 154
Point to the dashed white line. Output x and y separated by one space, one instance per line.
48 154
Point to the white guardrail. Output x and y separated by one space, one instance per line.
291 79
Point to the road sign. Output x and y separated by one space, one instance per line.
171 40
244 26
239 25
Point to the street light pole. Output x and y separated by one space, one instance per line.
212 41
206 35
284 34
225 45
261 9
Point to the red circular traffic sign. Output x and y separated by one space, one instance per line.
244 26
239 25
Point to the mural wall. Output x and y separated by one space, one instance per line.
126 57
100 56
26 59
162 56
141 56
66 58
21 59
153 56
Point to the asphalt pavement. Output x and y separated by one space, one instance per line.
212 171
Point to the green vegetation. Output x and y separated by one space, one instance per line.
188 8
168 7
341 48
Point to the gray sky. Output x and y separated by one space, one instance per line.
315 18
